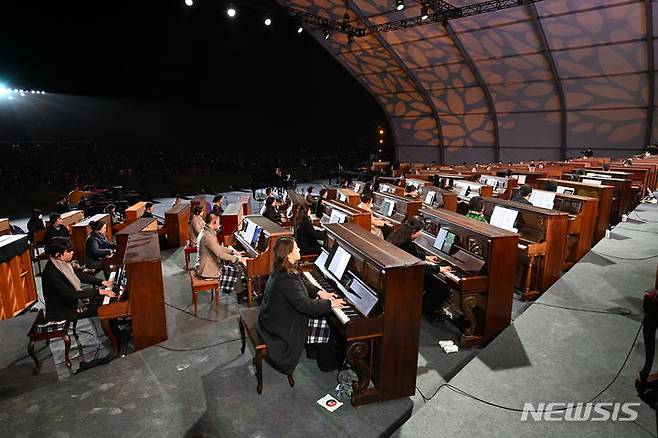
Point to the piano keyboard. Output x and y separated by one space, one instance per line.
319 281
113 276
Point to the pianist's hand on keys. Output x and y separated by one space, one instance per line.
326 295
108 283
337 302
107 293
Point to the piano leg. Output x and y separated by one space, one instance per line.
356 356
529 292
107 328
469 337
250 289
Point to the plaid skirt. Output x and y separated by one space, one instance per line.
318 331
230 275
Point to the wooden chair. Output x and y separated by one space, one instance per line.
62 332
204 284
189 249
247 321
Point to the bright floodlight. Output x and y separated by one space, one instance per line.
267 21
189 2
231 11
300 29
399 5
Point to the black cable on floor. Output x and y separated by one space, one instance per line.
507 408
190 313
624 258
198 348
620 311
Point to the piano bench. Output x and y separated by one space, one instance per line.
248 321
187 251
204 284
58 332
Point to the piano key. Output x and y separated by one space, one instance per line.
341 315
313 281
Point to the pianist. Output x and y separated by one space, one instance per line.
196 224
289 301
62 285
35 224
217 261
524 195
376 224
217 205
411 191
62 205
148 210
269 210
476 209
306 235
111 210
55 228
319 206
97 247
403 237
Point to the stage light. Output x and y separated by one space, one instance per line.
231 11
381 132
381 141
399 4
326 34
267 20
189 2
10 97
423 13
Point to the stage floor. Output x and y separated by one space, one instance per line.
548 354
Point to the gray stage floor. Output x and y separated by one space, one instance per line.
553 354
548 355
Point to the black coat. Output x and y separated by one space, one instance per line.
521 200
288 301
272 214
409 247
60 296
51 232
217 209
307 237
34 225
97 248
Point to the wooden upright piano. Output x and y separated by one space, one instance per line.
138 226
4 226
604 195
231 220
524 176
245 201
134 212
258 247
380 327
541 247
583 212
348 196
18 290
341 210
69 219
139 284
621 195
293 201
432 196
403 209
391 188
177 225
483 262
82 229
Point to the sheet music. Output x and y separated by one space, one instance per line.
342 197
519 178
504 218
248 234
361 296
429 198
591 182
387 207
337 217
339 262
567 190
542 199
357 187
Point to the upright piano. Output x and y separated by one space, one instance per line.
293 201
336 211
393 209
18 290
541 247
69 219
4 226
82 229
583 212
391 188
604 209
177 225
524 176
621 193
256 237
231 220
348 196
134 212
436 197
380 327
140 289
483 259
245 201
140 225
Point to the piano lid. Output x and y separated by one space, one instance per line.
464 222
384 253
142 247
87 221
178 208
137 226
266 224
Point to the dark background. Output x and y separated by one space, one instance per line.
164 74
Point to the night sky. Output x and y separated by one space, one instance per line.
280 87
